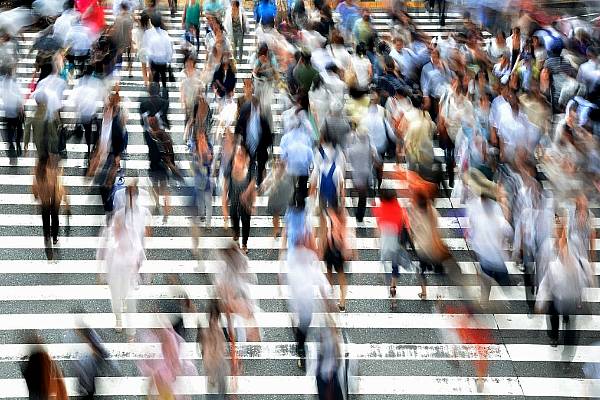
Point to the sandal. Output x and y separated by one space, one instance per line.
393 291
422 296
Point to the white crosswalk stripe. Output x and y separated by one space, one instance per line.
407 353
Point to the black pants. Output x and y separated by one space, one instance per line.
449 158
361 209
91 137
300 333
237 213
50 221
159 73
50 225
329 389
300 191
14 130
258 165
442 10
554 315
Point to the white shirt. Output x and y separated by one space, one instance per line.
305 280
376 124
340 55
589 73
516 132
80 38
361 68
488 231
12 97
159 46
63 24
86 95
53 87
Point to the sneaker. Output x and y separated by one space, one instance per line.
55 241
301 364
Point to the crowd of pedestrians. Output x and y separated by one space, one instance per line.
506 125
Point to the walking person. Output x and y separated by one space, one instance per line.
279 188
236 26
159 47
202 160
14 113
191 20
121 252
394 228
213 346
43 376
48 190
306 283
257 138
336 250
561 287
239 192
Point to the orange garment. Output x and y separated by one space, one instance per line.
416 184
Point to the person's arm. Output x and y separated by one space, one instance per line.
225 201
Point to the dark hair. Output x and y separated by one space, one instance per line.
417 100
156 20
387 194
361 49
235 3
144 20
263 49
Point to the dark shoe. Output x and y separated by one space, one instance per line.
553 342
301 364
342 308
55 241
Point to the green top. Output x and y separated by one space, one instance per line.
192 14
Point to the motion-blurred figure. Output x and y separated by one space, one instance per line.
43 376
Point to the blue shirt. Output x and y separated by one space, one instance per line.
265 12
296 151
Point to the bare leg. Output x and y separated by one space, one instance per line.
275 226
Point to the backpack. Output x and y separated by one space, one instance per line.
328 192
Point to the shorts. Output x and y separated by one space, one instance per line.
334 260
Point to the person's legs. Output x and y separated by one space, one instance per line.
554 324
55 222
449 158
11 135
261 166
154 72
245 217
235 222
362 203
300 333
46 211
275 225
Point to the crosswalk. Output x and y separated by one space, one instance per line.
405 353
